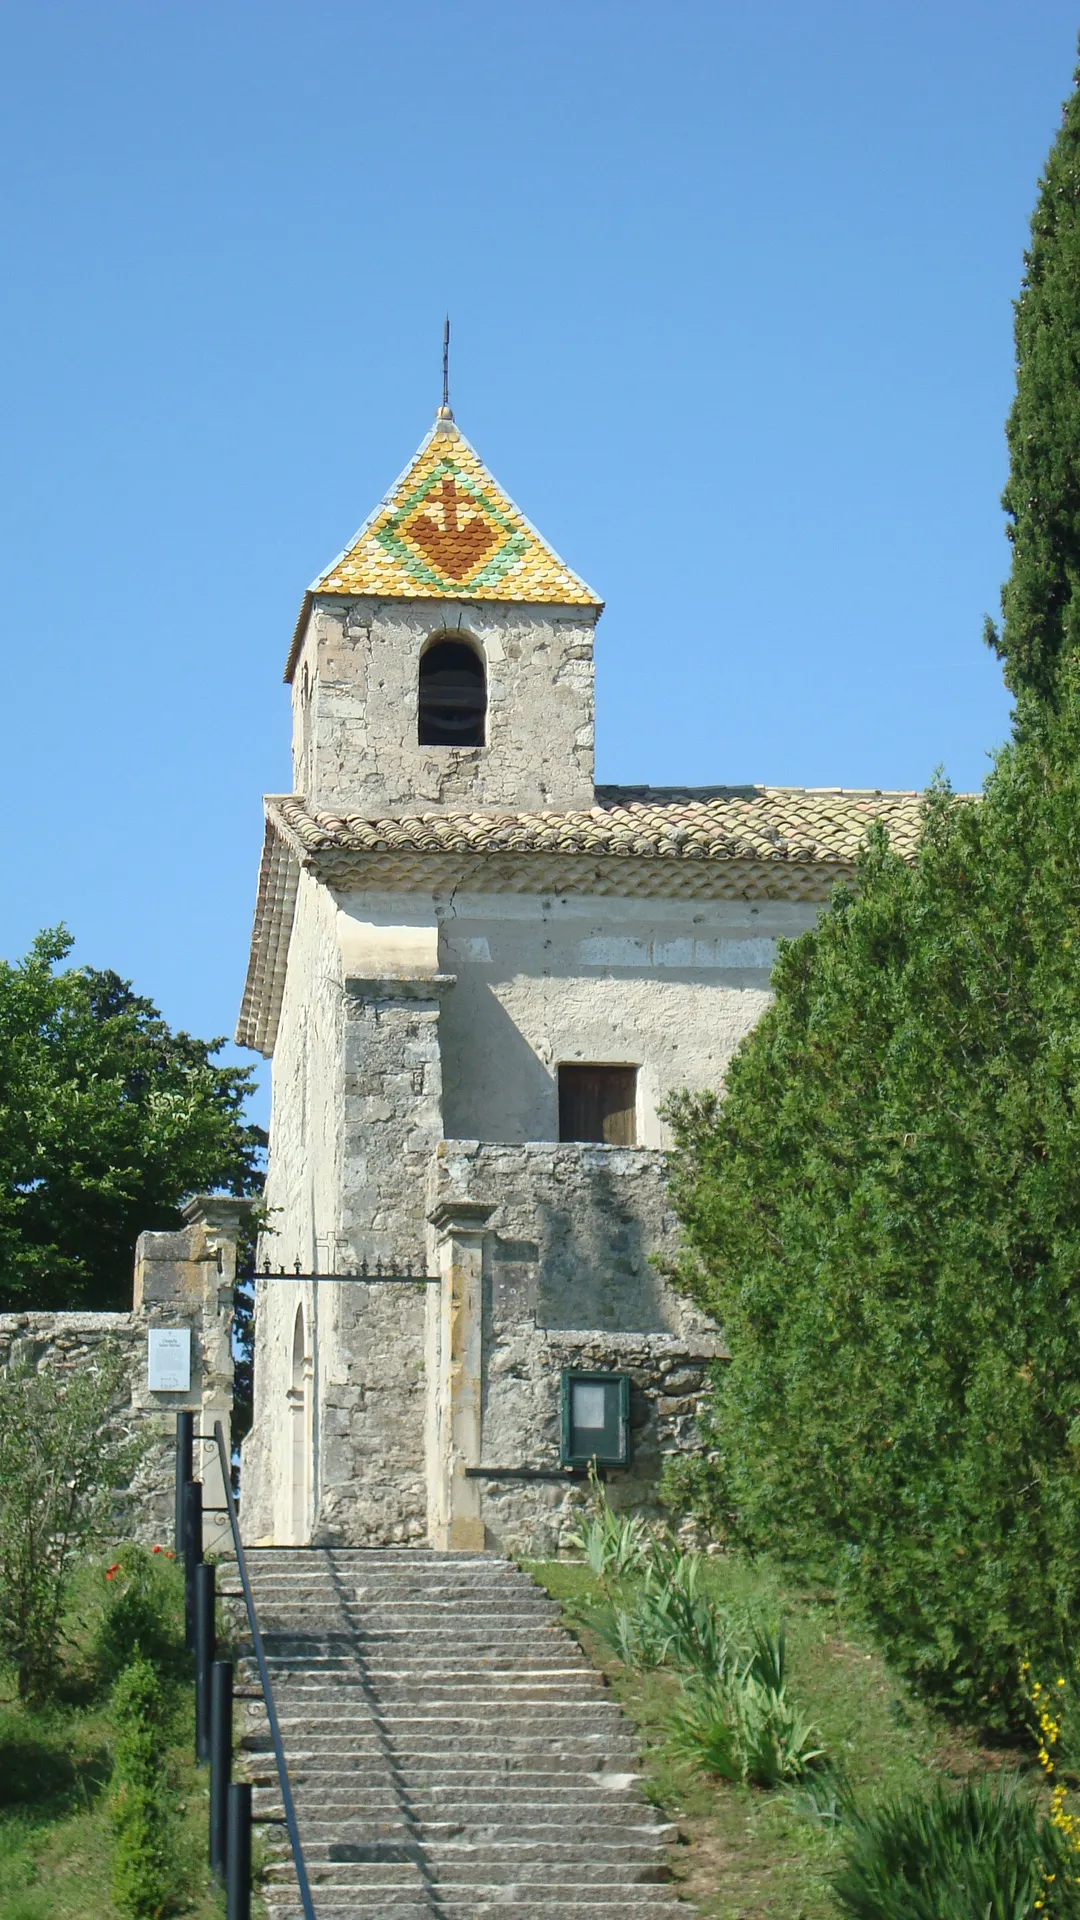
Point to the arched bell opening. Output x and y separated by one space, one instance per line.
452 704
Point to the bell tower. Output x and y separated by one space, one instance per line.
444 660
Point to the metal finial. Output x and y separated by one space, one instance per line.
446 364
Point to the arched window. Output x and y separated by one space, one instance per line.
453 696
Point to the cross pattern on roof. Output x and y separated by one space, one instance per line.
447 531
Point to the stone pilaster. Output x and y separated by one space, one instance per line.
370 1353
455 1376
186 1279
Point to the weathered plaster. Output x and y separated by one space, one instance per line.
668 986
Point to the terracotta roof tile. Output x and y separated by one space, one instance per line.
694 843
816 826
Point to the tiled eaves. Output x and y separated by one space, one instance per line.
275 904
779 825
711 843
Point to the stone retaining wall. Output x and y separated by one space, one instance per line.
182 1279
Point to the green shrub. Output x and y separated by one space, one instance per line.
883 1211
690 1484
63 1449
977 1852
145 1874
143 1614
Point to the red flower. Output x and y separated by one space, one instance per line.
168 1555
157 1549
111 1572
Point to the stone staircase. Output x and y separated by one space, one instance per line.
450 1749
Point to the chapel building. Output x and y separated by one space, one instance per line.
480 977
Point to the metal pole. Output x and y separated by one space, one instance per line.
238 1861
192 1554
221 1714
205 1649
185 1471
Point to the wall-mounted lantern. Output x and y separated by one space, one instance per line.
595 1419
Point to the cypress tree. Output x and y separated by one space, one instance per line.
884 1209
1041 600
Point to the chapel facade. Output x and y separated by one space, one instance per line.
480 976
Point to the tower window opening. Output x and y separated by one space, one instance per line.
453 696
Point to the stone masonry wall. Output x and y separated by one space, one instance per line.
569 1282
668 1376
302 1201
182 1279
364 1428
67 1343
355 694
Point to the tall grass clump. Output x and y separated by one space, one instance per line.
733 1715
977 1852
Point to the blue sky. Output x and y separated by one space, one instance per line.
731 296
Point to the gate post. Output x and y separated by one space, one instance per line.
455 1363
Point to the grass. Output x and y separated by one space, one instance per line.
745 1854
54 1831
55 1762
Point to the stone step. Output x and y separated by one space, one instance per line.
344 1904
558 1896
515 1788
493 1815
381 1579
474 1873
335 1846
448 1762
450 1749
532 1718
391 1729
501 1776
587 1904
324 1828
404 1719
339 1584
568 1748
468 1671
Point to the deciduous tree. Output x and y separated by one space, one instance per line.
108 1119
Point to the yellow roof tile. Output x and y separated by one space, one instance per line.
447 531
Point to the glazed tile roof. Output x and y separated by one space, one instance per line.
447 531
781 824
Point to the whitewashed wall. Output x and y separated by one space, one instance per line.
670 986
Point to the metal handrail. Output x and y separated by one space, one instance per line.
264 1677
